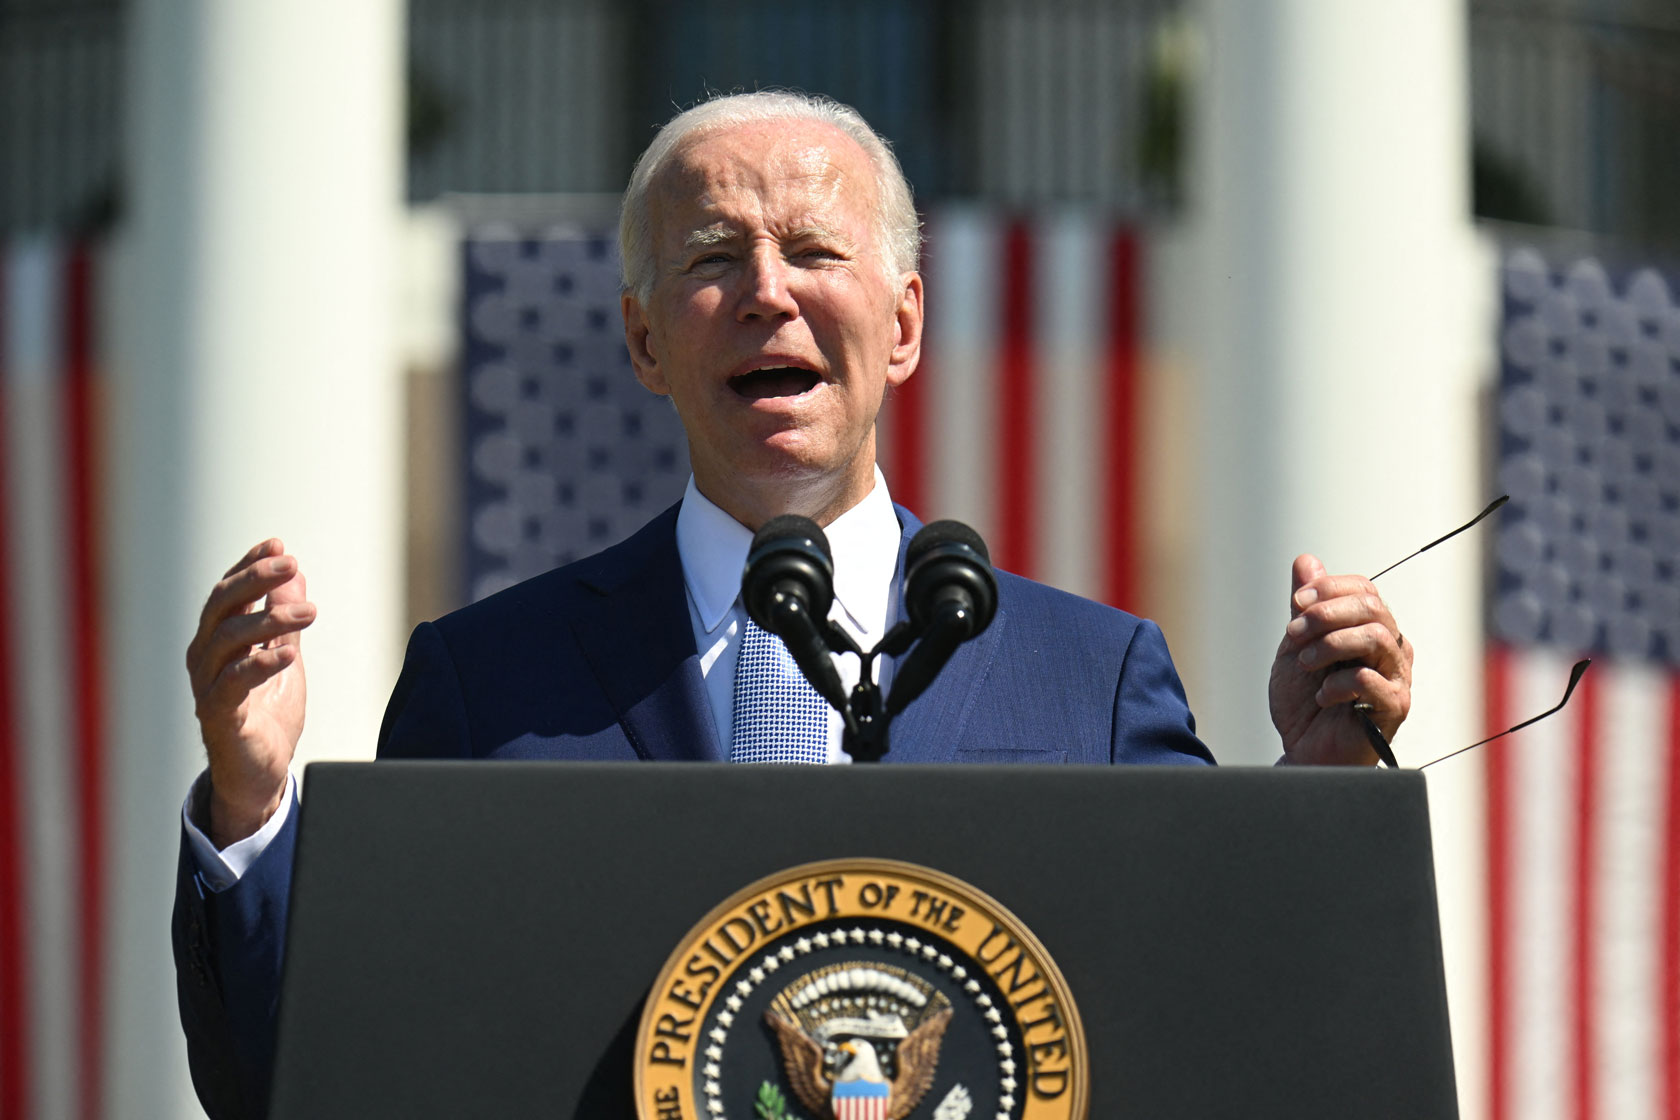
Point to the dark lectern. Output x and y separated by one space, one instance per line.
477 939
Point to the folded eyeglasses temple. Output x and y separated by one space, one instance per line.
1470 524
1373 733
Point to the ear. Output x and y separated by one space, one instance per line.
638 338
907 327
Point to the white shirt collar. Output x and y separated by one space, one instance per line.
865 540
713 548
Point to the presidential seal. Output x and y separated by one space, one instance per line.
860 989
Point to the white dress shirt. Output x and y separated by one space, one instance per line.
713 549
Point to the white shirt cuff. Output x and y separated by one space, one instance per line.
222 869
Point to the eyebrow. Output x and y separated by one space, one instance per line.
712 236
820 233
708 237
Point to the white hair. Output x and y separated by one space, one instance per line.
900 229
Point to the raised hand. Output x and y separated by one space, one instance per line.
1341 646
246 668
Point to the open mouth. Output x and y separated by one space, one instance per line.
783 381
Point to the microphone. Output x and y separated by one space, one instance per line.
951 595
788 589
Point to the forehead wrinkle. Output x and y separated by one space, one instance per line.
823 176
725 197
821 161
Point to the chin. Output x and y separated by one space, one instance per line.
792 453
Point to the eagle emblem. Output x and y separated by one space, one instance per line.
860 1039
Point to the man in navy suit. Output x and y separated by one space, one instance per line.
770 248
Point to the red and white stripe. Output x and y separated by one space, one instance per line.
1023 417
52 797
860 1108
1584 892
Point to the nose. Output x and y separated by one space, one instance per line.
765 293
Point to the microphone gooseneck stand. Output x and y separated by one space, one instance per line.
950 594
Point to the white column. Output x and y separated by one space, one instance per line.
254 394
1341 316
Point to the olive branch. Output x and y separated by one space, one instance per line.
771 1105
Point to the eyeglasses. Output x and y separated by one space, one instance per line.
1373 733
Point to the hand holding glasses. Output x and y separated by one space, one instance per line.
1374 734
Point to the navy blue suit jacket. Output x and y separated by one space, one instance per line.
597 661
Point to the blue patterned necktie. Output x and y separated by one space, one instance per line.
778 715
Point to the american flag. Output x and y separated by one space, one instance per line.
1584 808
1024 417
566 453
54 803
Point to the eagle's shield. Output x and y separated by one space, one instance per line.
861 1100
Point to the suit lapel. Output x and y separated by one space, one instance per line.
635 631
932 726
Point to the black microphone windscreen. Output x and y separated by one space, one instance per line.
936 533
792 525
